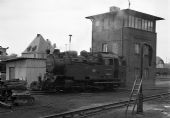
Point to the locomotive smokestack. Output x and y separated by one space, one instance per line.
70 41
38 35
56 51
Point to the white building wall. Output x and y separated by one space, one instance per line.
20 69
35 68
28 69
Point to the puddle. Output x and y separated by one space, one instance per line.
158 109
167 114
162 83
167 106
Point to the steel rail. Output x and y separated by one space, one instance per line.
42 92
92 111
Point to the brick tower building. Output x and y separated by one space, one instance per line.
123 32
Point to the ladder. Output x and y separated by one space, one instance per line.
134 93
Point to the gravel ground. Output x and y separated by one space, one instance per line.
153 109
50 104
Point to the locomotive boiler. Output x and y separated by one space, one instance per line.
67 71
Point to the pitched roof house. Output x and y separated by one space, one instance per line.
38 48
32 63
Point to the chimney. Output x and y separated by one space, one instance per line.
114 9
38 35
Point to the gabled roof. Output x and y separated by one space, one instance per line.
38 45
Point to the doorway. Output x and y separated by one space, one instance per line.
11 73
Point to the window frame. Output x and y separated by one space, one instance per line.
139 23
136 48
104 47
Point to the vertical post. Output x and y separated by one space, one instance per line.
129 4
70 41
92 41
140 95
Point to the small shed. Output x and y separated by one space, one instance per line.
28 69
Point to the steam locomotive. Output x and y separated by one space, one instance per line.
67 71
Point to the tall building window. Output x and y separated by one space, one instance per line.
105 47
146 73
130 21
149 25
115 48
146 51
126 21
139 23
106 23
152 26
133 21
136 22
137 72
146 24
99 25
137 48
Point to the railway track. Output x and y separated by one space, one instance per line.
123 90
42 92
81 113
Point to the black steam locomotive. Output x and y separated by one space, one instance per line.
67 70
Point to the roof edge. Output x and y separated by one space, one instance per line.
130 11
22 58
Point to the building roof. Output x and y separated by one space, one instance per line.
131 12
159 60
22 58
137 13
38 45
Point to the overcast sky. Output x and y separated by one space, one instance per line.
22 20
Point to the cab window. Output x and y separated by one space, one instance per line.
108 61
